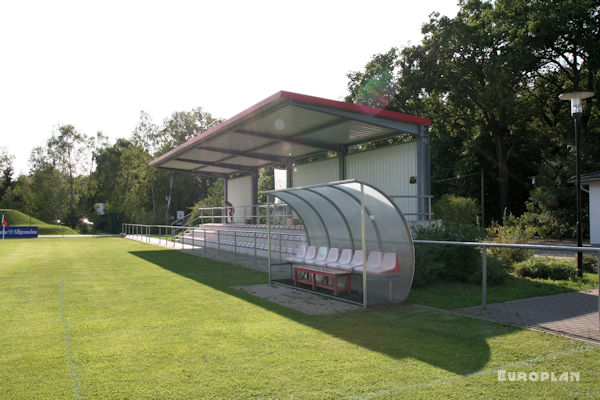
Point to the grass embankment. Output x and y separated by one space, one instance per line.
113 318
17 218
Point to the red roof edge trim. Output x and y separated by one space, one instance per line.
378 112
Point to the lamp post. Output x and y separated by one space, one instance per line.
576 99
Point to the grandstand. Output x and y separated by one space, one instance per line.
287 130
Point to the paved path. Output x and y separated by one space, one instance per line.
573 315
299 300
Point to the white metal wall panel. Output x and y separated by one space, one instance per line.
318 172
239 193
389 169
595 213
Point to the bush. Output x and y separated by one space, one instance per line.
457 263
555 268
455 210
590 263
512 231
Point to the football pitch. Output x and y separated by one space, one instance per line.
114 318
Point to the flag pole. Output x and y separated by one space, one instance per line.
2 227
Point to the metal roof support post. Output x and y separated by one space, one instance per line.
225 192
254 196
364 244
290 173
423 171
342 153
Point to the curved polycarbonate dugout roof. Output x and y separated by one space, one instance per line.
331 214
282 127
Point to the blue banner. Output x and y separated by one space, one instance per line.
20 232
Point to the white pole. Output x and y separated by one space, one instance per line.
364 245
2 227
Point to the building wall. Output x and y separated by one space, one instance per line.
389 169
316 172
239 193
595 213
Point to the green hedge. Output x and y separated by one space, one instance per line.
456 210
452 263
555 268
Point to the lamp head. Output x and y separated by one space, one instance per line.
576 101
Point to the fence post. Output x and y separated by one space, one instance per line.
218 242
255 261
205 243
483 276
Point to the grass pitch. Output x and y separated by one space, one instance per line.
113 318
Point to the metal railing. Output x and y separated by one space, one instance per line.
241 214
168 235
424 201
485 245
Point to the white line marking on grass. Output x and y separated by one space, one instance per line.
474 374
61 310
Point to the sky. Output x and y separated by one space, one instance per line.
97 64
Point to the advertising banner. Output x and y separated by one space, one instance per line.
20 232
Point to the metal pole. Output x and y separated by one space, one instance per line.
483 276
269 236
364 244
255 261
579 233
219 242
204 230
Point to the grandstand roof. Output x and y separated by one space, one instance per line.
282 127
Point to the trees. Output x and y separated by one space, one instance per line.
489 79
6 171
178 129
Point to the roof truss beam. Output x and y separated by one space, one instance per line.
211 174
218 164
251 154
385 123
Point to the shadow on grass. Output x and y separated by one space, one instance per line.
450 342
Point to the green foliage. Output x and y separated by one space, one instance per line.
555 268
456 210
266 181
590 263
512 231
490 79
449 262
214 198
